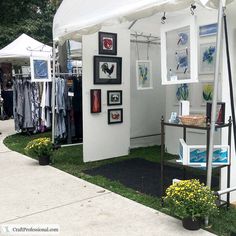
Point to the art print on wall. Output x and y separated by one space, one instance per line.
182 92
207 58
95 98
107 43
107 70
179 52
220 112
144 74
115 116
40 69
207 92
208 30
114 97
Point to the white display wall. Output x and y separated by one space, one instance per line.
147 106
102 141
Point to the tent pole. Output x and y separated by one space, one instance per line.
230 79
214 100
53 90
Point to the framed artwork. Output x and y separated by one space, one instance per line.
40 69
196 155
207 92
208 30
182 92
115 116
207 58
95 98
144 74
178 51
220 112
107 43
107 70
114 97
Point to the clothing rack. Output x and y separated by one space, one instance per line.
63 76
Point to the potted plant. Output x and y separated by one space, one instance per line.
191 201
41 148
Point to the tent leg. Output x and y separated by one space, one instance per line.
214 100
53 90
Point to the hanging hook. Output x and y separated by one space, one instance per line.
192 8
148 45
136 37
163 18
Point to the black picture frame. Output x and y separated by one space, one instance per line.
114 97
95 100
107 43
220 112
115 116
107 70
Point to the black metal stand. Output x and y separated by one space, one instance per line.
185 127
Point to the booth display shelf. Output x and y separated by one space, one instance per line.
173 162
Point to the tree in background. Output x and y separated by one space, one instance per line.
32 17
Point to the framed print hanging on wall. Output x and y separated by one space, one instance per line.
107 43
107 70
144 74
114 97
207 58
95 98
40 69
115 116
179 51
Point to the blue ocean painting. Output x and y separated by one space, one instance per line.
220 156
207 30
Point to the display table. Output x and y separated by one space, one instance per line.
185 127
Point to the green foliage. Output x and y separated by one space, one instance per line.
40 147
190 198
32 17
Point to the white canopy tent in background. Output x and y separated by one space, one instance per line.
75 18
21 49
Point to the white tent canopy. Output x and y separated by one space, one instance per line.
77 17
21 49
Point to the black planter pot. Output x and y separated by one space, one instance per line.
189 224
43 161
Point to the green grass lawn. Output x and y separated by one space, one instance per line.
70 160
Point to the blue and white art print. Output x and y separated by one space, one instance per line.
144 74
208 30
198 155
207 58
40 69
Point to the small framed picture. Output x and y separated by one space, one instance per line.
107 43
207 92
207 58
144 74
220 112
95 98
114 97
107 70
208 30
40 69
115 116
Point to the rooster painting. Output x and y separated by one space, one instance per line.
106 70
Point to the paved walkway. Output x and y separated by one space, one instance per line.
33 194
